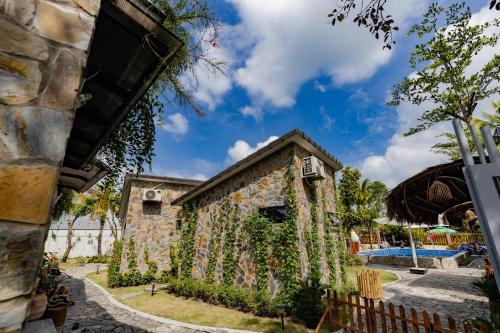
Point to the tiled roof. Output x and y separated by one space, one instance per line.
82 223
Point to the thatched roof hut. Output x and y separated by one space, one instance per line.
440 189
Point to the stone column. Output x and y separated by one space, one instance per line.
43 50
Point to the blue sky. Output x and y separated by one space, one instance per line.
288 68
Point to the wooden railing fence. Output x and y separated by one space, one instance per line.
355 314
436 239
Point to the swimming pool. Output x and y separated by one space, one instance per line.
407 253
440 259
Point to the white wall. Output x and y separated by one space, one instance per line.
84 242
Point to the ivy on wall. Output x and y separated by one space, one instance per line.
330 242
189 213
231 254
214 245
259 231
342 254
114 276
173 253
312 235
132 276
286 240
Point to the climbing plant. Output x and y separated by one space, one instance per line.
150 274
330 242
230 252
214 245
286 240
341 252
132 276
188 231
173 253
114 276
312 236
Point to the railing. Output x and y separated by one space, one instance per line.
355 314
436 239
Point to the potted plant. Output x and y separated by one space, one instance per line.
57 309
490 289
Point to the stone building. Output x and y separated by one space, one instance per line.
255 183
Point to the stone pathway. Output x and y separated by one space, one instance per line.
95 313
443 292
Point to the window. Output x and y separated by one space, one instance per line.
276 214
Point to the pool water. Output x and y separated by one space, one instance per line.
407 253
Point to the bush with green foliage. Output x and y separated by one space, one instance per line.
353 260
97 260
309 301
150 274
114 276
243 299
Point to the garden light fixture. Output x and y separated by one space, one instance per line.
282 310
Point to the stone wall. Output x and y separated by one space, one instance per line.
258 186
152 225
43 48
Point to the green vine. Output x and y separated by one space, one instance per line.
173 253
286 240
311 237
259 230
214 246
230 253
188 233
132 276
330 242
341 251
114 275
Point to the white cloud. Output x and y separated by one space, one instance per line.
327 119
182 174
242 149
320 87
176 124
209 85
252 111
406 156
293 42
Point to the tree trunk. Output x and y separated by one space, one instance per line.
99 238
114 228
69 240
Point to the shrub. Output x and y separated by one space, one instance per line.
243 299
98 260
309 302
354 260
114 276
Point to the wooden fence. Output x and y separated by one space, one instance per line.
370 284
436 239
355 314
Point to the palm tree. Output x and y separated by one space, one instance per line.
103 202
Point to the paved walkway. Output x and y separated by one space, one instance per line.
446 293
442 292
93 312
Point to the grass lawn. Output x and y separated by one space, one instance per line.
385 275
197 312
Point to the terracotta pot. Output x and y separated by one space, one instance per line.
57 314
38 306
494 307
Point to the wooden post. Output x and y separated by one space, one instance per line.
394 327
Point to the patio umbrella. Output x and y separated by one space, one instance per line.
443 230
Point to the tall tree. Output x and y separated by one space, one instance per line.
450 147
372 16
443 74
360 202
101 201
81 206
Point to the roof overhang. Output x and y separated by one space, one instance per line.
294 136
129 178
129 49
82 179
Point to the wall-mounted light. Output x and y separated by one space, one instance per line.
496 135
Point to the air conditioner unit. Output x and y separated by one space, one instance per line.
151 195
313 167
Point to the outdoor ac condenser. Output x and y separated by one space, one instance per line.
313 168
151 195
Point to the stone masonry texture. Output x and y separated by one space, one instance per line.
43 49
257 186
